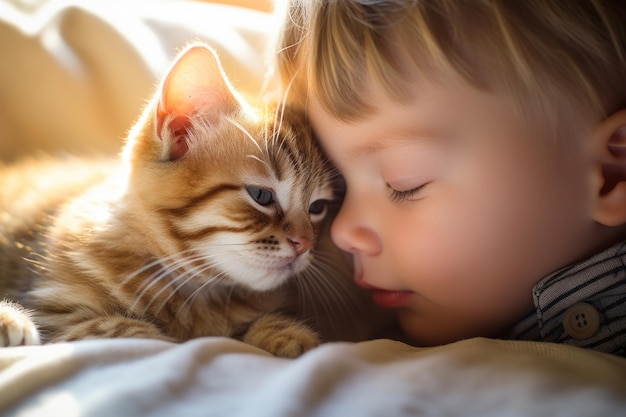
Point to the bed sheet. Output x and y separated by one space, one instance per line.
224 377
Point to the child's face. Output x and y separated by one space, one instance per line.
454 210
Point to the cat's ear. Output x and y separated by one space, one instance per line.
196 81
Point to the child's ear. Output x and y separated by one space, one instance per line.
195 82
610 139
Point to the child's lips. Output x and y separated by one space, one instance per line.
386 298
391 299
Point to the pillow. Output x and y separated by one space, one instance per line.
76 73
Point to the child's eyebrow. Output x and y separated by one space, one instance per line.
412 136
366 150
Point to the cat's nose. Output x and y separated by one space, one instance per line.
300 244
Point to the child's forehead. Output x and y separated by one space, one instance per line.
375 92
431 108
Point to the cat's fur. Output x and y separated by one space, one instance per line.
215 206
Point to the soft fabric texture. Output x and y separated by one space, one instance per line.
73 78
223 377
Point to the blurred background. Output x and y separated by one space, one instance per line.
75 74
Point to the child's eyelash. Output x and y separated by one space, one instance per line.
405 195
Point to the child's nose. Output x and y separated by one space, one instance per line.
352 230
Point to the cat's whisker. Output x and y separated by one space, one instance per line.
170 272
259 160
319 281
321 271
281 108
278 122
281 118
266 134
150 282
212 282
317 306
164 272
141 270
206 264
245 132
158 261
192 274
229 297
327 267
302 287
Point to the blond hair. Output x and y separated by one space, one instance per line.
553 57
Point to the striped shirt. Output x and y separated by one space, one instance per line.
583 304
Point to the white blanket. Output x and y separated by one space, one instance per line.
223 377
73 77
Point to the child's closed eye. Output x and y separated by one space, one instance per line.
406 195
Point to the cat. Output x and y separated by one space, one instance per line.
213 223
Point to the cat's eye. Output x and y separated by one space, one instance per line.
318 207
263 196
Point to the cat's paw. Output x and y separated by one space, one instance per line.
281 336
16 326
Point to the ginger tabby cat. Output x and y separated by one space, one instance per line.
210 225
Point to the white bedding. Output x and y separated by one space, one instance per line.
72 79
222 377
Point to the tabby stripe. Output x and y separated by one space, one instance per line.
256 221
55 310
294 158
208 195
275 162
203 233
287 152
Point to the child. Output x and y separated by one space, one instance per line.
483 145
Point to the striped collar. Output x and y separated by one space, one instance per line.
583 304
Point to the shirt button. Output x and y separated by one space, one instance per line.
581 321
